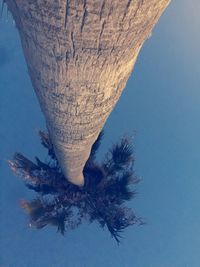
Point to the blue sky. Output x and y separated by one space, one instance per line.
161 106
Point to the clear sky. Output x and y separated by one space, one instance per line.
161 105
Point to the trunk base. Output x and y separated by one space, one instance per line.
78 180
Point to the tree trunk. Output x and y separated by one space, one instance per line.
80 54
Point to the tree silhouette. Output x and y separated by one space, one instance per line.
108 185
80 55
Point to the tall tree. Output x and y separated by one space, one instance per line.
80 54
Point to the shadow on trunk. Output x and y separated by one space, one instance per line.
108 185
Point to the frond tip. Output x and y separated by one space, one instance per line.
122 153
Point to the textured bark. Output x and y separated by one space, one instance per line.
80 54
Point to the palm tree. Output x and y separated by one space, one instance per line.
64 205
80 55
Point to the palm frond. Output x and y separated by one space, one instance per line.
114 233
126 178
41 188
58 221
35 208
24 168
118 193
42 165
64 205
96 146
21 162
122 153
46 142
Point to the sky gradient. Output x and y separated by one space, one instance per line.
161 107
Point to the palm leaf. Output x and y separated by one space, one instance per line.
41 164
41 188
21 162
96 146
122 153
35 208
46 142
65 205
57 221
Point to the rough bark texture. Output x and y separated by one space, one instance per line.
80 54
